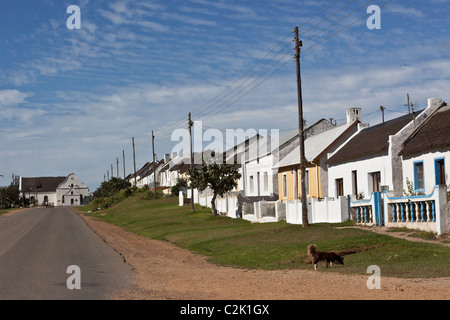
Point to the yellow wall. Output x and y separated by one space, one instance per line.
313 187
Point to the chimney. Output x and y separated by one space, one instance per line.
353 114
166 157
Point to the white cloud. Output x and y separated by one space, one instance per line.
410 11
12 97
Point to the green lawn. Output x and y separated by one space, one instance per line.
239 243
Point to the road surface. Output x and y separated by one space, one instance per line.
37 246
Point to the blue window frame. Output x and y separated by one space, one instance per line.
439 171
419 176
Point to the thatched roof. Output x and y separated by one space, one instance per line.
433 134
370 141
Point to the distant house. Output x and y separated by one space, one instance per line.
54 191
177 168
258 168
317 148
140 174
145 176
369 161
426 153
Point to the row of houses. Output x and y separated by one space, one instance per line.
406 156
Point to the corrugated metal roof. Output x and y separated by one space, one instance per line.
314 146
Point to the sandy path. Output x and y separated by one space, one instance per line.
164 271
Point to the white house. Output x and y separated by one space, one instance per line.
257 167
55 191
369 161
426 153
317 148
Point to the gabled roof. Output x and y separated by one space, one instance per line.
41 184
315 145
309 131
183 163
371 141
151 167
433 134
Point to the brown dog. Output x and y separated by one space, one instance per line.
328 257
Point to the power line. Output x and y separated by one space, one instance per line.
180 121
220 102
223 92
316 35
208 104
331 15
344 28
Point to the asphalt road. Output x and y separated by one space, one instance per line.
38 245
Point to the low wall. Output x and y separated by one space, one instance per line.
426 213
327 210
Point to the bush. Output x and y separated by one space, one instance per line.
111 187
181 183
150 195
112 192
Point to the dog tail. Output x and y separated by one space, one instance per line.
312 248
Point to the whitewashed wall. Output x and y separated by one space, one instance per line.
261 166
363 167
429 168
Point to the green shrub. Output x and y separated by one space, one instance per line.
181 183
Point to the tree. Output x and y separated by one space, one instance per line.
111 187
9 195
220 176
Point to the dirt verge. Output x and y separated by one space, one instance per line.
166 272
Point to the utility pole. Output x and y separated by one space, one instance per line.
1 197
190 124
112 172
154 164
134 161
117 162
408 103
298 44
123 156
382 112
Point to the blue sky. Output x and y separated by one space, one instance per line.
71 100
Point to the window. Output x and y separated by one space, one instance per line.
355 182
419 180
252 184
339 188
439 167
375 181
284 186
307 181
258 181
266 182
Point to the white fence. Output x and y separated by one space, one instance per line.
327 210
426 213
264 211
368 212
